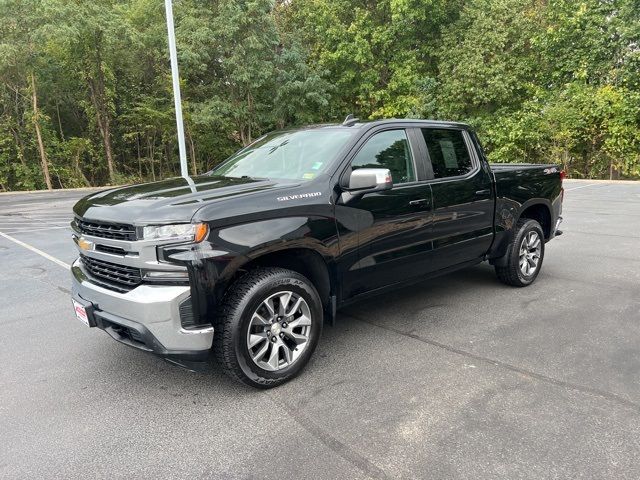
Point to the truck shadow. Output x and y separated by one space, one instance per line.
157 377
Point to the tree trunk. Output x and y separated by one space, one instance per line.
76 161
611 169
19 146
59 121
98 98
107 147
36 124
192 152
139 156
250 102
151 159
102 117
244 124
167 156
243 136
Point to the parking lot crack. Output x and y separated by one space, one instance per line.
613 397
333 443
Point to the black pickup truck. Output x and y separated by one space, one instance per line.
246 262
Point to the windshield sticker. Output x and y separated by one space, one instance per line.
299 196
308 176
316 166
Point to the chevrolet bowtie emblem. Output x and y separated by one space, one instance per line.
85 244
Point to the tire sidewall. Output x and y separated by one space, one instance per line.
257 293
527 227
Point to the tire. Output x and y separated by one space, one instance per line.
514 273
242 321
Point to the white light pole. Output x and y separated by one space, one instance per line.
176 88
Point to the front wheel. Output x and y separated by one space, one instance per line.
268 327
524 255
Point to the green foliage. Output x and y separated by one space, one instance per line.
542 81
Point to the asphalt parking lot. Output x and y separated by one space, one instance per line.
457 377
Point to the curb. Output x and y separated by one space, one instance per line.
80 189
604 182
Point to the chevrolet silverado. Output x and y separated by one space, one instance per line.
246 262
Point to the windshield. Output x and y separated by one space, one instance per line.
299 155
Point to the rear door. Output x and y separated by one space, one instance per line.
463 197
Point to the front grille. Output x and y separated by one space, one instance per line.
107 230
110 249
112 274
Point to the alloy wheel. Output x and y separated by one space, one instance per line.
279 330
530 251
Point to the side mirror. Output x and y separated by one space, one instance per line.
368 180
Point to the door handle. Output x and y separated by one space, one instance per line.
419 203
483 193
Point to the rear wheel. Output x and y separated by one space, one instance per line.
524 255
268 327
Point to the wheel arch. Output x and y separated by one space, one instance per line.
306 261
540 211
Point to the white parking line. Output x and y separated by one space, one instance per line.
36 226
581 186
33 216
36 250
30 220
32 204
30 229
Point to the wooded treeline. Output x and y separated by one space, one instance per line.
85 86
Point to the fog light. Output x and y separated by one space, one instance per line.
161 275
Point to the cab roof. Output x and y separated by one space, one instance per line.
357 124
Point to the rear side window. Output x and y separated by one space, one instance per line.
448 152
389 149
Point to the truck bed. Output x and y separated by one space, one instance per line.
518 183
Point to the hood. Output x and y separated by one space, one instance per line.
175 200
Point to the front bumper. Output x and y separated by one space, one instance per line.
146 318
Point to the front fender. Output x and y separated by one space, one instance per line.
214 264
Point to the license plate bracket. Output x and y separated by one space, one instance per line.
83 312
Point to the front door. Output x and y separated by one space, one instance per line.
394 241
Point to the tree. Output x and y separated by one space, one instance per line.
86 94
21 56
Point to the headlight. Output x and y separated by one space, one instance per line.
182 232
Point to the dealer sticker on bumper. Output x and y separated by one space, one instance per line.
81 313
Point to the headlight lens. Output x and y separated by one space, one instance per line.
181 232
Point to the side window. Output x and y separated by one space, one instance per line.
448 152
389 149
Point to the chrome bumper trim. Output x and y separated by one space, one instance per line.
156 307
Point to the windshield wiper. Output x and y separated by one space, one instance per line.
253 178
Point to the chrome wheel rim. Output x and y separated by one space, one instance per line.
279 331
530 251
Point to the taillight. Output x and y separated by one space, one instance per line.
563 175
